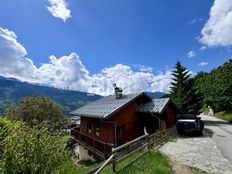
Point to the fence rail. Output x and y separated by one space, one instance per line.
143 143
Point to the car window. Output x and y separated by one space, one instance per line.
187 117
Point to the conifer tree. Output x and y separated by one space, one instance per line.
183 92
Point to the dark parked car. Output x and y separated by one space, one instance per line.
188 123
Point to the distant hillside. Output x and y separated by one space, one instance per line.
11 90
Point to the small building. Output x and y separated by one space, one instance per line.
75 121
114 120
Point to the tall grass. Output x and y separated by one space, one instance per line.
225 116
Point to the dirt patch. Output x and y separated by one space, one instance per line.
180 168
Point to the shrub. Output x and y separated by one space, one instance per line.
31 150
225 116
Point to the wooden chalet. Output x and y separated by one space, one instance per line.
116 119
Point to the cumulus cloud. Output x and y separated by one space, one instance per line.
13 60
217 31
64 72
59 9
131 81
68 72
191 54
203 63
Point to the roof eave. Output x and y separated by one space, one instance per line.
148 112
168 100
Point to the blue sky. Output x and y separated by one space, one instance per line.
107 33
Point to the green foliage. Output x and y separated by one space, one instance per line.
7 128
37 110
183 91
31 150
225 116
216 87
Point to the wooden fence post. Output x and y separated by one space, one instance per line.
114 163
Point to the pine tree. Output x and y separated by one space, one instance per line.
183 92
180 77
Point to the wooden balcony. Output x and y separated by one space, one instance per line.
97 147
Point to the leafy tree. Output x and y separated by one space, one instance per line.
37 110
31 150
183 92
216 87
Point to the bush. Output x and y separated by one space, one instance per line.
7 128
31 150
225 116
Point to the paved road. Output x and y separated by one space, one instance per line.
221 134
212 152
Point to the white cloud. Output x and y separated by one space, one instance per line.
191 54
195 20
218 29
143 68
59 9
131 81
68 72
65 72
13 60
203 64
203 48
162 82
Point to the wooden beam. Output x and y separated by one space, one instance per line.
127 144
133 152
105 164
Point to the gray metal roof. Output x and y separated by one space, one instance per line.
104 107
156 105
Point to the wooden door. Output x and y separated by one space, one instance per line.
120 135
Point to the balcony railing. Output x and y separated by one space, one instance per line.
94 145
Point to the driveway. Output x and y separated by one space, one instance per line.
211 152
221 134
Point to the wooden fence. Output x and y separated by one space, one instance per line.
143 143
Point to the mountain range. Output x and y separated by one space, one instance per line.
11 90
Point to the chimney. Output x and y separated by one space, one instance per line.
118 91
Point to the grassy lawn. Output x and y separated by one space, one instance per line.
151 163
225 116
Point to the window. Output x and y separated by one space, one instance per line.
89 127
120 131
97 129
